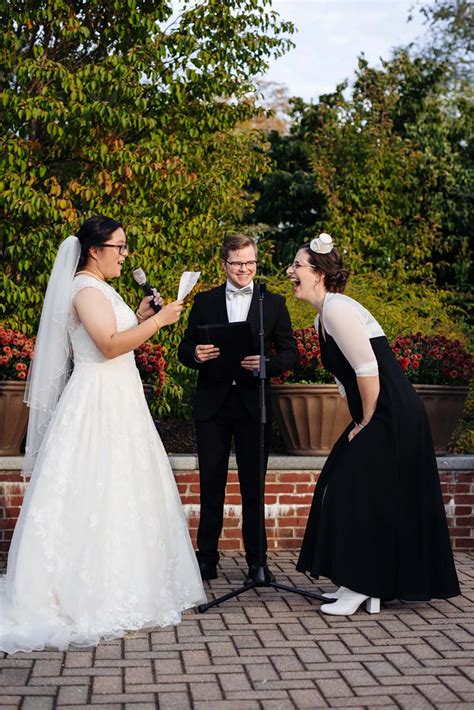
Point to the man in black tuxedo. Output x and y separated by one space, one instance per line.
224 407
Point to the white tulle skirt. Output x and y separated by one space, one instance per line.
101 545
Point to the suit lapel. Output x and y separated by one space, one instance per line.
252 316
221 306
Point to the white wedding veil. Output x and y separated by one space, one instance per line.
52 362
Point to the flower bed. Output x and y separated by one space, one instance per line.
433 359
15 354
309 369
426 359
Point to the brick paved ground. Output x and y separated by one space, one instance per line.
268 652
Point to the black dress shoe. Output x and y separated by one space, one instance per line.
259 574
207 571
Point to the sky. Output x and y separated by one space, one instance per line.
331 34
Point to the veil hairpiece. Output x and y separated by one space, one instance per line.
52 363
322 244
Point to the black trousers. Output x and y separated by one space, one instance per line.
214 438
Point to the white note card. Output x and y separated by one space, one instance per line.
187 282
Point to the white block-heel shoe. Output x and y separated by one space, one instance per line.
335 594
349 602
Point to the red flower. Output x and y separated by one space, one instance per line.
433 359
151 365
14 361
309 368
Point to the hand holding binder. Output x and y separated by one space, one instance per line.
206 352
234 342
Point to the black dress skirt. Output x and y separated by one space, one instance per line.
377 523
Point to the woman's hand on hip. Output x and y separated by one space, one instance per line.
356 430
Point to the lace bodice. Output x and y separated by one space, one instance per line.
83 347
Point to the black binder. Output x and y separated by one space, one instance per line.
234 341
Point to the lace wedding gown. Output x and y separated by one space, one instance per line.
101 545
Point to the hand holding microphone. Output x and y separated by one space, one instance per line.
153 300
153 303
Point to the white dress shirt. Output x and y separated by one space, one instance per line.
238 306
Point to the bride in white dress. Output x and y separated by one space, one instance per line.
101 545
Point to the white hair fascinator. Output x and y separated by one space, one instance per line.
322 244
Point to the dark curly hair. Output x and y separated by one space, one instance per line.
330 265
94 232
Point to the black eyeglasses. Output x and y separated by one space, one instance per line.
239 264
122 248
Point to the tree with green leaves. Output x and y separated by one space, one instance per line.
119 107
387 166
451 35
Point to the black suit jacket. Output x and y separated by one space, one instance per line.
280 349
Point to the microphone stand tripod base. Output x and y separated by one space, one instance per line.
261 580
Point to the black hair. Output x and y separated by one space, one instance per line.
94 232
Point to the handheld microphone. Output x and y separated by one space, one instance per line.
140 278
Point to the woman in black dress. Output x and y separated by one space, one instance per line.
377 525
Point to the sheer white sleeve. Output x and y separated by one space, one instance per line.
347 324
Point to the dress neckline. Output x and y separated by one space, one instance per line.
93 276
320 314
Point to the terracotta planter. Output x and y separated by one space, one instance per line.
444 405
13 417
311 417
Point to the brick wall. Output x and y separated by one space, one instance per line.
288 496
458 496
12 488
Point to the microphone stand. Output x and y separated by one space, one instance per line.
260 577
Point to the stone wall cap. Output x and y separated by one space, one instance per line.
183 462
464 462
189 462
286 462
11 463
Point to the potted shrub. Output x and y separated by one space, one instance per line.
440 369
311 414
16 352
309 410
